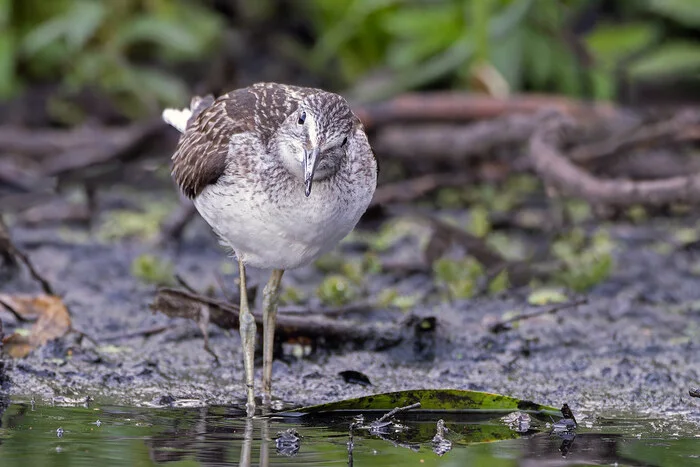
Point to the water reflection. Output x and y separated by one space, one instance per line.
219 436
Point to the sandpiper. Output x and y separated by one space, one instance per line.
281 174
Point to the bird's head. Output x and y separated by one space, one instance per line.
316 137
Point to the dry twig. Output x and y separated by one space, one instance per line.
453 141
8 249
409 190
658 132
396 410
178 303
461 107
560 173
505 324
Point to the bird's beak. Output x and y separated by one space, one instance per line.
310 163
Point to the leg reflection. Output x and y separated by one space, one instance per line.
264 442
247 447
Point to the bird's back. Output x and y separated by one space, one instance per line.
200 157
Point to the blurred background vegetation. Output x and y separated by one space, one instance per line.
128 58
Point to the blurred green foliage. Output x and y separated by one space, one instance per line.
135 51
458 278
153 270
124 48
587 260
532 44
336 290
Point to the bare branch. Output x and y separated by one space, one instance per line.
560 173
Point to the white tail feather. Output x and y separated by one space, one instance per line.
177 118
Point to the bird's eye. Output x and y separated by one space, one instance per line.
345 141
302 118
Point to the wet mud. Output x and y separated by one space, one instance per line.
633 347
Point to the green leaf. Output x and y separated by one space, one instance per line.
443 400
454 57
671 58
612 42
686 12
539 63
591 270
5 13
546 297
459 277
168 35
8 78
85 19
479 221
76 26
507 56
410 23
336 290
165 87
345 28
43 35
153 270
500 282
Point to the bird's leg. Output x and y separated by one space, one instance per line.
246 327
271 296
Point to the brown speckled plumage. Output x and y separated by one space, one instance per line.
201 155
281 174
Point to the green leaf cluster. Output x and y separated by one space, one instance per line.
458 277
124 48
391 46
587 261
153 270
337 290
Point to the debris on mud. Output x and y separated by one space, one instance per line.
204 310
51 317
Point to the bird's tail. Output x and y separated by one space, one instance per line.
180 119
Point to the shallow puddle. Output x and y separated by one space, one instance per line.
108 435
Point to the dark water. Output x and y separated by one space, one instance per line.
107 435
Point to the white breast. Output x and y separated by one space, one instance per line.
286 231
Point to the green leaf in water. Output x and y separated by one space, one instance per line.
449 400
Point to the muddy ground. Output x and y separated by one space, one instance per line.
634 347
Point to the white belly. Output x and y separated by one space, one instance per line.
282 232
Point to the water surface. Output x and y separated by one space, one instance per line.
109 435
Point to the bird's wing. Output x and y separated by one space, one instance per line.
201 155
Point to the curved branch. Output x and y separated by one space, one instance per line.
557 171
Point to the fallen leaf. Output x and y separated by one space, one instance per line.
432 400
51 316
547 296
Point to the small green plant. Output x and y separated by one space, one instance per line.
392 232
153 270
587 262
145 224
500 283
458 278
292 296
391 298
547 296
479 223
330 263
336 290
371 263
